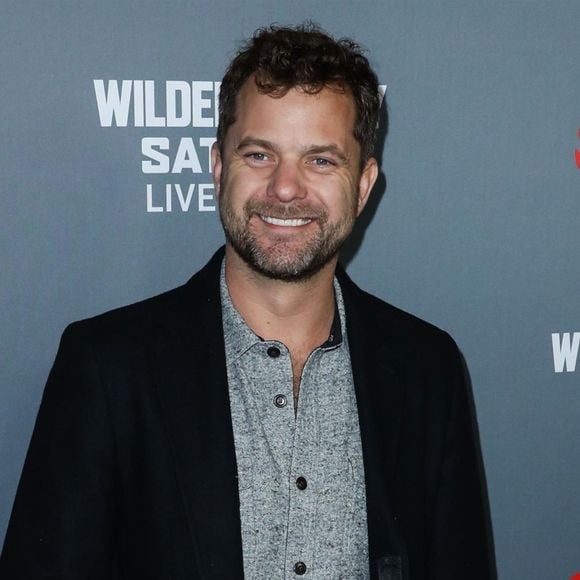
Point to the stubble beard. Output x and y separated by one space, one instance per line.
283 258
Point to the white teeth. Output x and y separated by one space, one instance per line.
286 223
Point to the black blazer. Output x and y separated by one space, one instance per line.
131 470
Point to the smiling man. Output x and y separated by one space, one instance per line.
268 419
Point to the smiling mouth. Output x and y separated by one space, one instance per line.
293 222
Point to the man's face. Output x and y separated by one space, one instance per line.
289 181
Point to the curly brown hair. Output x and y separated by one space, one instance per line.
281 58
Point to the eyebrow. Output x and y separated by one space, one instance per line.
255 142
330 148
308 150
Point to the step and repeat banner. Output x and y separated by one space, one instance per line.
107 118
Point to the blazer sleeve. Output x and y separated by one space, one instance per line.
63 520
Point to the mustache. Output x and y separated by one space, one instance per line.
293 210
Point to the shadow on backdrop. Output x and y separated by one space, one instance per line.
354 242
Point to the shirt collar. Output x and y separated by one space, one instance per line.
239 337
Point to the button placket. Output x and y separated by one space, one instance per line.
270 389
304 457
279 399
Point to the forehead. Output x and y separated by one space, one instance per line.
331 110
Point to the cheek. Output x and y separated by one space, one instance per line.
342 194
236 194
244 182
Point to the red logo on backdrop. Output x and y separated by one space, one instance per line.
577 151
575 576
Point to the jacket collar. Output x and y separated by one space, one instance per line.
193 393
378 379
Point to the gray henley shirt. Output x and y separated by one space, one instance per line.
300 476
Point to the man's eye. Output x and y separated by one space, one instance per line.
257 156
322 162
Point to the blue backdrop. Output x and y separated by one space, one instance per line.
107 114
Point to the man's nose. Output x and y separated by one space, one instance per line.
287 182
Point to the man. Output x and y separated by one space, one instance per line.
268 419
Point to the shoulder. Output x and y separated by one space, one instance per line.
392 318
131 319
153 320
406 334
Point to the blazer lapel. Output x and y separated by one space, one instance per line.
380 392
193 392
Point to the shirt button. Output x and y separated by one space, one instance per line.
273 352
280 401
301 483
300 568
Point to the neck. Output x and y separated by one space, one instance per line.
299 314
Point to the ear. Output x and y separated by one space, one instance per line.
216 167
366 182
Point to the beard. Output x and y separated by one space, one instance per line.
293 258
